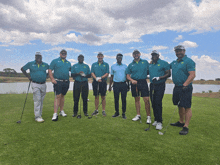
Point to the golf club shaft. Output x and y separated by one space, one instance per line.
25 100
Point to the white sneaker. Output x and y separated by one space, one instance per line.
55 117
62 113
155 123
137 117
159 126
39 119
148 120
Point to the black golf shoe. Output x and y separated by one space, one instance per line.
123 116
96 112
184 131
86 114
74 115
116 115
178 124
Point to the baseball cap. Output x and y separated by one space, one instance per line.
136 52
63 51
154 52
100 54
119 55
38 54
80 55
179 47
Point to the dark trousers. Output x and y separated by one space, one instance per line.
80 87
120 88
156 96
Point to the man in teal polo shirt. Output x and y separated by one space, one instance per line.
159 70
99 72
60 79
183 73
118 76
137 72
80 73
38 77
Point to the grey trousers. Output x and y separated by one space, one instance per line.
39 92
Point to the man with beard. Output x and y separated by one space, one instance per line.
183 73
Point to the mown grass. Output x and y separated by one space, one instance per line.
106 140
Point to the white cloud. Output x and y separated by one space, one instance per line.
60 48
111 57
98 22
206 67
178 38
158 48
189 44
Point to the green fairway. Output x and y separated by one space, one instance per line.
106 140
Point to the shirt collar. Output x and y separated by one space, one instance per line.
157 61
101 63
184 58
138 62
61 59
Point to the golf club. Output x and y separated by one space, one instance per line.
147 129
100 104
137 96
24 103
79 116
162 133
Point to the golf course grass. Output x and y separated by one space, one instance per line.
106 140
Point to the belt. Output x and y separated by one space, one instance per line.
62 80
120 82
38 82
80 81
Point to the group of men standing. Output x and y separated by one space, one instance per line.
183 73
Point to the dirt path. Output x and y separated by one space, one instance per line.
211 95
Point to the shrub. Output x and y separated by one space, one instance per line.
210 91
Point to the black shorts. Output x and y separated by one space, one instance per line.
99 87
61 87
182 98
142 87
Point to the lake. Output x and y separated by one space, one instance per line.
21 87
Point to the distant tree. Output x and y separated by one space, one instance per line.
9 71
217 79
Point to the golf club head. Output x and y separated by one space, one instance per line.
160 133
147 129
89 117
79 116
19 121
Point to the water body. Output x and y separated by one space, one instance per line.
21 87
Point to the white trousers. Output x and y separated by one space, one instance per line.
39 92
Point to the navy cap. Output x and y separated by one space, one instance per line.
63 51
100 54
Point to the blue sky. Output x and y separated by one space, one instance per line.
88 27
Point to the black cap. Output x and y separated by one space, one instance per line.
136 52
63 51
100 54
119 55
80 56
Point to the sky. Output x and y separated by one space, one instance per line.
111 27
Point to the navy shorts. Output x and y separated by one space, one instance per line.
140 87
182 98
99 87
61 87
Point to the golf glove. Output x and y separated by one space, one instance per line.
98 78
156 78
83 74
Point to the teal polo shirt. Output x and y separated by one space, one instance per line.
100 69
180 70
37 71
158 69
118 71
138 70
76 68
61 68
